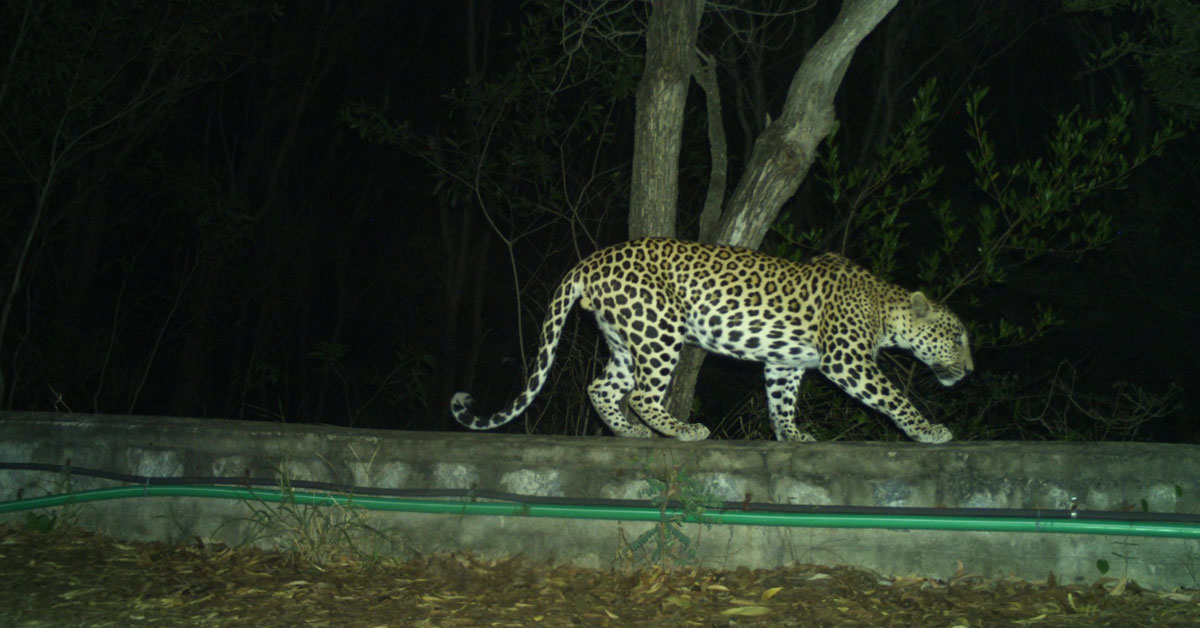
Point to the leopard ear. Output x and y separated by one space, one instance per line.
920 305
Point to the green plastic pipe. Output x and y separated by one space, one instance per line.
627 513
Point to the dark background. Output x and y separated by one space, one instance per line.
200 229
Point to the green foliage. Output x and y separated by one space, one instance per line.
1054 407
408 383
61 519
1165 46
40 522
329 354
1020 211
1036 207
679 497
871 196
1025 210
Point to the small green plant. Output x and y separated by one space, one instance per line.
40 522
62 517
1103 566
679 497
316 535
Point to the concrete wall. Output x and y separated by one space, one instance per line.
1101 476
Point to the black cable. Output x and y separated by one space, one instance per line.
474 494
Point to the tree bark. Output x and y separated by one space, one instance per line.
714 198
783 154
788 146
658 132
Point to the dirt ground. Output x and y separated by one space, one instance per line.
74 578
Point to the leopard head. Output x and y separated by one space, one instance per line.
938 338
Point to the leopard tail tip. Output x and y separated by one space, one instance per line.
460 406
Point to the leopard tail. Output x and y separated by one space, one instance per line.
565 296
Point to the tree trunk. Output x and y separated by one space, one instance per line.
783 154
658 132
788 146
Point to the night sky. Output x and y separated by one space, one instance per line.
343 212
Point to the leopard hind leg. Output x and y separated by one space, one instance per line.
654 365
609 389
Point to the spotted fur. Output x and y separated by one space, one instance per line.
650 296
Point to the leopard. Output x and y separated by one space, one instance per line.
650 296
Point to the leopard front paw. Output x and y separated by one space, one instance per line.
934 434
794 434
635 431
693 431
